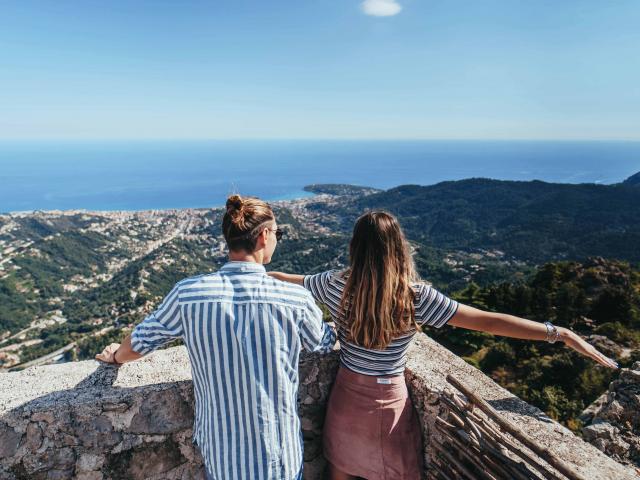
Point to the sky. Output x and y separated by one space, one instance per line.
344 69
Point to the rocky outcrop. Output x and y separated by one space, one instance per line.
614 418
91 421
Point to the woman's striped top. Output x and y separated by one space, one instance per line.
431 308
243 331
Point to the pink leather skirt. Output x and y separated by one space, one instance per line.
371 429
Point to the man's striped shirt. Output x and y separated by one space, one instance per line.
243 331
431 308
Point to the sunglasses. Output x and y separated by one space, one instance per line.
278 232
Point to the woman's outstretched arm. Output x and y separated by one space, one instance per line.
515 327
287 277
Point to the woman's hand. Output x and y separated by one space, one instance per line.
108 355
573 340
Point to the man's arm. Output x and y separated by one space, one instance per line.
159 328
119 352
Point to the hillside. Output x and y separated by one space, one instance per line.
599 299
79 267
532 221
82 279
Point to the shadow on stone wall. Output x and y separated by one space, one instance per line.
100 429
95 431
517 406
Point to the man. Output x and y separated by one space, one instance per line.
243 331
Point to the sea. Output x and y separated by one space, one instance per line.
141 175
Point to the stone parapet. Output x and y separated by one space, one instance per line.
87 420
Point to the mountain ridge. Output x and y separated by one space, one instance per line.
534 220
633 180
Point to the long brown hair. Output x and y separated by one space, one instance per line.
377 300
242 221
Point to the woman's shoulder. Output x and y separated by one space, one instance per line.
335 280
421 289
321 283
420 285
334 276
338 275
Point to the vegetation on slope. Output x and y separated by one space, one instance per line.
532 221
599 299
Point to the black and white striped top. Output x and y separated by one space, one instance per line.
431 308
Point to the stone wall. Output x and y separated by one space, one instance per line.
91 421
428 366
87 420
613 421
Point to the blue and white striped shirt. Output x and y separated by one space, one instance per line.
243 331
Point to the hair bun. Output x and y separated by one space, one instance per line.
234 202
235 209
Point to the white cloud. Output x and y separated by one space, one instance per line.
381 8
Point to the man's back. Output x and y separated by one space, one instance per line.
243 331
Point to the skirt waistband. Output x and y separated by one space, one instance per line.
354 378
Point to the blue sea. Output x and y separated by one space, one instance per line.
137 175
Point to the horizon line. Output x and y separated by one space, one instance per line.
311 139
294 199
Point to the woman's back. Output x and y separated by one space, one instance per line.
431 308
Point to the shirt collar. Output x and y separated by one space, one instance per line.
243 267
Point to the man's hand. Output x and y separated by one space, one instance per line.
109 353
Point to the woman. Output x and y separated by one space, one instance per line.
371 429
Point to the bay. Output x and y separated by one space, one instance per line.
138 175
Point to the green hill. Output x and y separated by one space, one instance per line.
532 221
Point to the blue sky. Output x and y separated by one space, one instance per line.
320 69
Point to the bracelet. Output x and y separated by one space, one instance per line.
552 332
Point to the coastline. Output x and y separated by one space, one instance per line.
300 195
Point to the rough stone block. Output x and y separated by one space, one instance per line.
33 437
95 431
144 461
88 462
162 412
9 441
